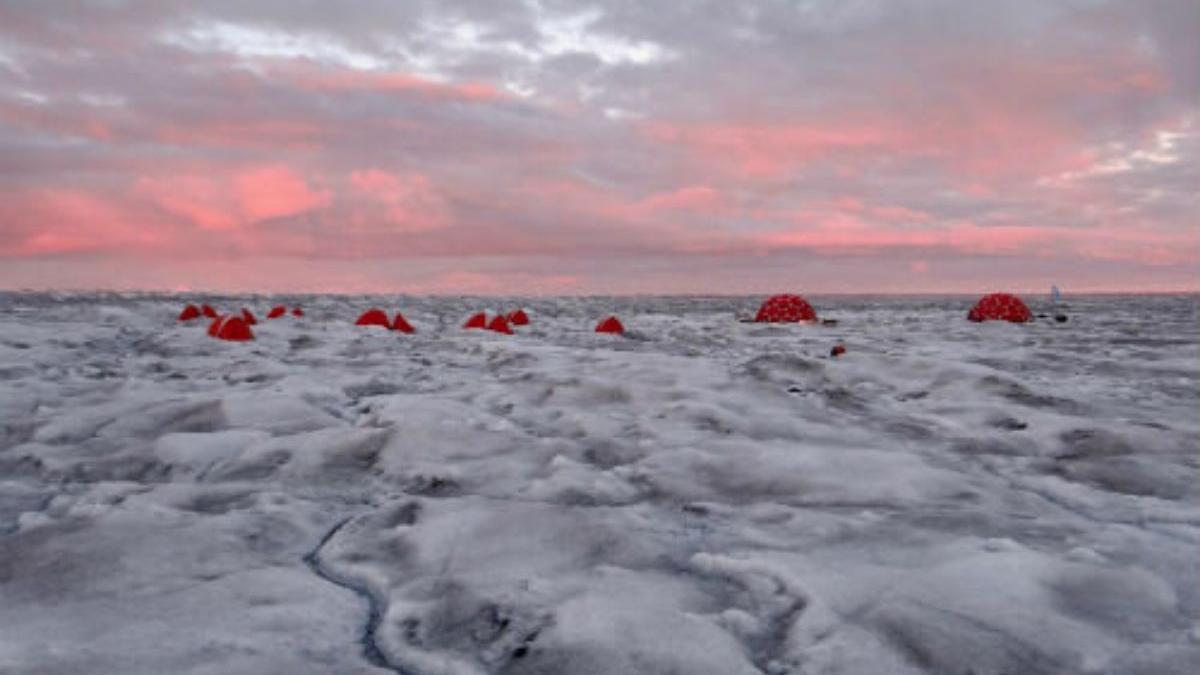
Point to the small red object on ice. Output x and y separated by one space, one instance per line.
518 318
610 325
476 321
296 311
401 324
373 317
208 311
277 312
500 325
231 328
190 312
837 350
248 317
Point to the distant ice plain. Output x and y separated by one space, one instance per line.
699 496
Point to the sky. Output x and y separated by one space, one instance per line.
547 147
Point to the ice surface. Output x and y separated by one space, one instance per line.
697 496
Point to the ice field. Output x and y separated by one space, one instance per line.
699 496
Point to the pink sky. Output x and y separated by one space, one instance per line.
557 147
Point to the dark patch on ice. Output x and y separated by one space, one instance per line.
357 454
1156 659
372 387
432 486
256 468
779 368
1090 443
844 399
219 501
987 445
301 342
1018 393
47 564
1131 475
946 642
1007 423
1119 600
396 515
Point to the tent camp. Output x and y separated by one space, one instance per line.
786 308
1000 307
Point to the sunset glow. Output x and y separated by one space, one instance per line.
554 147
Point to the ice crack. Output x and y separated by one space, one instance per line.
370 647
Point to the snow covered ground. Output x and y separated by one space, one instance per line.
698 496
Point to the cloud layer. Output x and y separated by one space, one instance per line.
552 147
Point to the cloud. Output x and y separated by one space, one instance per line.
903 144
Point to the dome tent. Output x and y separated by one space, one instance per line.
248 317
401 324
785 308
499 324
208 311
610 324
1000 307
190 312
276 312
373 317
476 321
296 311
518 318
232 328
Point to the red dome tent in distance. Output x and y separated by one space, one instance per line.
276 312
401 324
1000 307
232 328
190 312
296 311
500 325
476 321
248 317
208 311
518 318
610 325
786 308
373 317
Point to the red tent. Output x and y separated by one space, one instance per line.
1000 307
190 312
373 317
248 317
476 321
785 308
296 311
610 325
208 311
401 324
500 325
230 328
518 318
276 312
